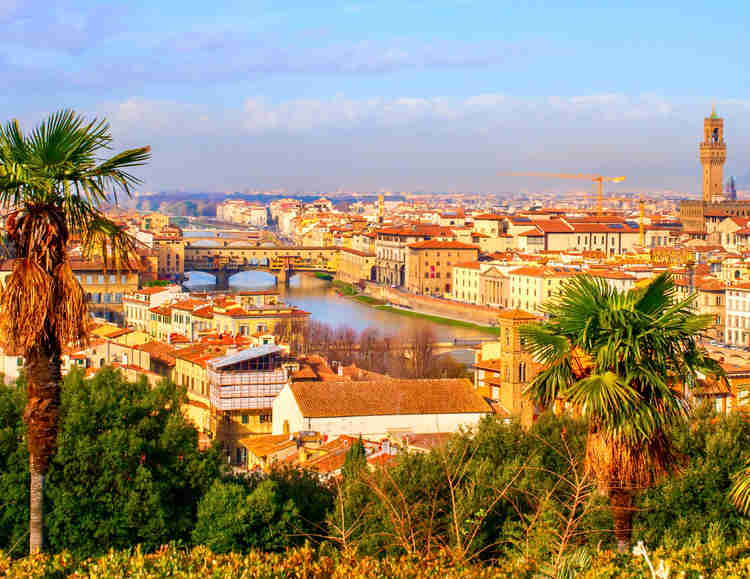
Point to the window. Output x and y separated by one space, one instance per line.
265 418
112 278
89 279
124 279
245 419
100 278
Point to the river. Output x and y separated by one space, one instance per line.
320 299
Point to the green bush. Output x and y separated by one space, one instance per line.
232 519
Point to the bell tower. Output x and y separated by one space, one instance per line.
713 153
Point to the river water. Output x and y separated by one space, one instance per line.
320 299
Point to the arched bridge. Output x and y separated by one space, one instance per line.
224 258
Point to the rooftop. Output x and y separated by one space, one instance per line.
387 397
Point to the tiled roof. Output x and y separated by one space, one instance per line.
437 244
469 264
387 397
516 315
531 233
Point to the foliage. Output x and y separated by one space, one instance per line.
14 470
232 519
54 181
346 289
622 358
127 468
706 559
157 283
355 460
684 508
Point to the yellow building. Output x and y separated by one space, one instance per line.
104 288
466 282
138 304
531 286
429 265
503 369
154 222
355 265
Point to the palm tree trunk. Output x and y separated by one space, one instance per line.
621 503
36 510
43 379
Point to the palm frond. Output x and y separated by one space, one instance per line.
70 312
112 243
740 492
603 396
25 302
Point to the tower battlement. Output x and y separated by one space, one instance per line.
713 153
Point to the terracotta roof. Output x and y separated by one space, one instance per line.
469 264
543 271
489 217
387 397
153 290
437 244
531 233
553 226
159 351
516 315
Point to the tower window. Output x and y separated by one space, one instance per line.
716 134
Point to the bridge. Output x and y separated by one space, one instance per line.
223 258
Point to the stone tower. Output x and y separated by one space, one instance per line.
517 364
713 152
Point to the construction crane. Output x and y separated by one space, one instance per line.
642 212
599 179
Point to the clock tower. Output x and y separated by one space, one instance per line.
713 153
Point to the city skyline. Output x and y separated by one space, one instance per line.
407 96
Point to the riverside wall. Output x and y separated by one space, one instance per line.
482 315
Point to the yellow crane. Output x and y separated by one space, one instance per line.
641 200
598 179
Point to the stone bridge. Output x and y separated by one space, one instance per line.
223 258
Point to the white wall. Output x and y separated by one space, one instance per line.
285 408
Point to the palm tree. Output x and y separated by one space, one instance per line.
627 361
53 182
740 493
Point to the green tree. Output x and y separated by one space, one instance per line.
685 507
621 358
14 470
233 518
53 182
127 469
354 460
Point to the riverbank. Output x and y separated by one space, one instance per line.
350 291
438 319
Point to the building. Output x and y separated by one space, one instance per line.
713 154
355 266
379 408
494 288
467 283
429 265
243 386
696 215
737 317
391 249
169 247
242 212
138 304
709 300
531 286
503 369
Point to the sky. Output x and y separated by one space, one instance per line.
440 95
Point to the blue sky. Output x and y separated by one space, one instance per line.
440 95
